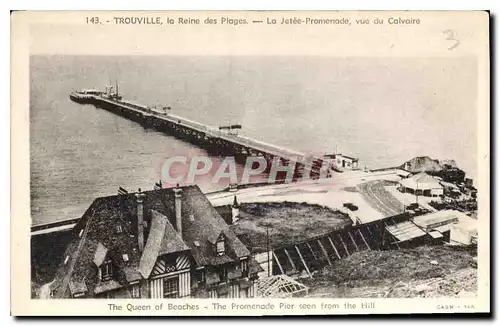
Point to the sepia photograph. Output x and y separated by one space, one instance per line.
321 174
386 208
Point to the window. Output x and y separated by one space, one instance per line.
106 271
221 245
136 291
220 248
244 267
223 274
171 287
200 275
125 257
118 229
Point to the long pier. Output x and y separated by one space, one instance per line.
213 140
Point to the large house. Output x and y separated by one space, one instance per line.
164 243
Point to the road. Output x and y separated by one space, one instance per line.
331 193
380 199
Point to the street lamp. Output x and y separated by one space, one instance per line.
416 192
267 250
267 225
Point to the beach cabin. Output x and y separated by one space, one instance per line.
343 161
421 184
449 225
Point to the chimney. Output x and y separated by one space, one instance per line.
235 211
178 209
140 219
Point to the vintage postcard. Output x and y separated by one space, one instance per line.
250 163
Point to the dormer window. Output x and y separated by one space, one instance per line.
103 263
77 289
220 248
221 245
106 271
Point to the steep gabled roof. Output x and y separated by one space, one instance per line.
214 235
152 248
98 241
172 241
205 228
100 254
162 239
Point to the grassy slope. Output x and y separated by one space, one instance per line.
424 271
288 222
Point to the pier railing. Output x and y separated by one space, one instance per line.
213 132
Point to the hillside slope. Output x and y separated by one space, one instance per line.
437 271
422 164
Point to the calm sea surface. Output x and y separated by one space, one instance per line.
384 111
